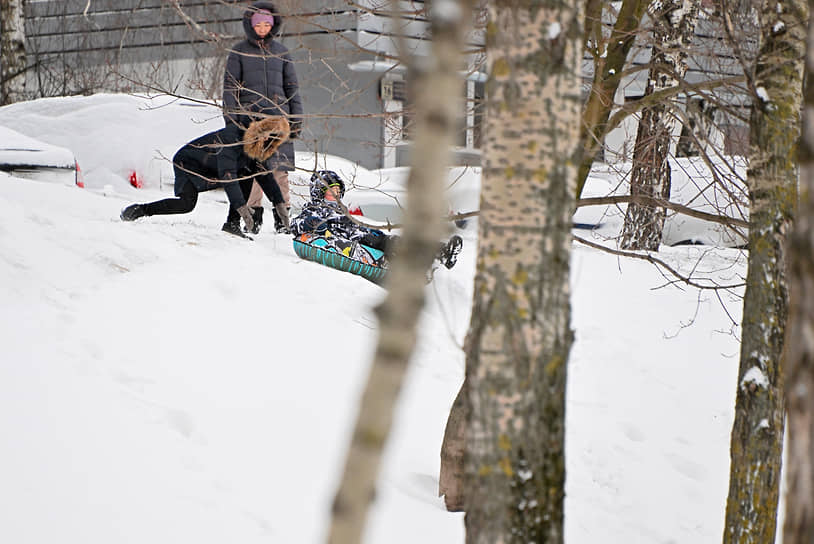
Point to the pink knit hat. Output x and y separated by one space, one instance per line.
262 16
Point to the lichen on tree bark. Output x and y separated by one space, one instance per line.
520 336
757 433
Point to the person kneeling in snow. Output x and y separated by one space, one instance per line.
324 215
228 159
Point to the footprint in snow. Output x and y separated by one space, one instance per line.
633 433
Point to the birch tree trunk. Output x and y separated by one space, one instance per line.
12 51
757 433
799 518
436 87
673 28
520 336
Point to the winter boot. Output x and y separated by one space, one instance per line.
278 223
133 212
257 215
232 225
281 219
448 254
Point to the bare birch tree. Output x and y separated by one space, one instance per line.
12 51
520 332
799 520
757 433
673 28
435 83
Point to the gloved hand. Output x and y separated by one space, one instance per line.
246 215
373 239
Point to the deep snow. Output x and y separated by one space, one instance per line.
164 382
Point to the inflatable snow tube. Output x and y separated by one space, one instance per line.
352 257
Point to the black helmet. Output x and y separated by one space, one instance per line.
321 180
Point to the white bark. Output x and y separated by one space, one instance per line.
674 25
520 332
12 51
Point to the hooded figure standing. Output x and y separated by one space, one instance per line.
259 81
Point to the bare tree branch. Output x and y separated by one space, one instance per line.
659 263
644 199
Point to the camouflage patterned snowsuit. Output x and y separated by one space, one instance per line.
326 219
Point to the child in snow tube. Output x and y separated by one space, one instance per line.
324 233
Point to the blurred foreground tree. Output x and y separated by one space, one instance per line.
435 84
799 519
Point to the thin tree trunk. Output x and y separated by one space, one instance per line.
609 60
12 51
674 25
799 519
757 432
436 87
519 337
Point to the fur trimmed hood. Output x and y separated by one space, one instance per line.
263 137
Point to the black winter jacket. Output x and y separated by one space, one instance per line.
209 162
260 79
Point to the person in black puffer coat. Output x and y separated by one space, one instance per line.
208 163
260 80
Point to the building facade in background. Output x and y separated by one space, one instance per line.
353 87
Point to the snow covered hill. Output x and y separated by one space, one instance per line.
161 381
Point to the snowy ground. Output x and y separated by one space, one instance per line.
162 381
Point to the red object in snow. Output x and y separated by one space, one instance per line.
79 179
356 210
136 180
